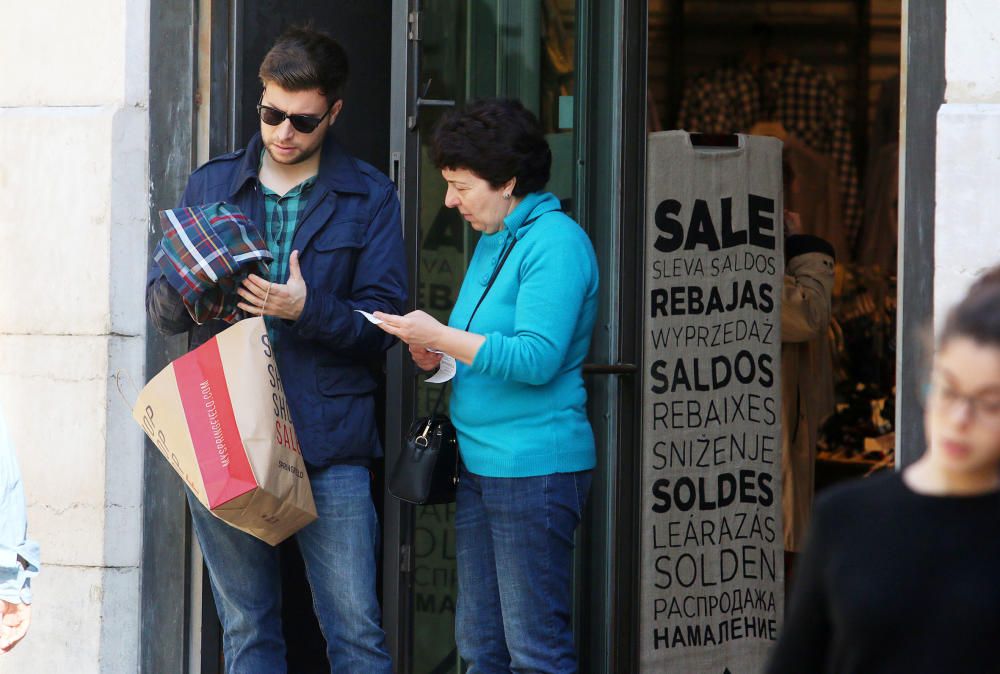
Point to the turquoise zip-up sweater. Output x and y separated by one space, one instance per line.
520 408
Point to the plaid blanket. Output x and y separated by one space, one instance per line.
206 253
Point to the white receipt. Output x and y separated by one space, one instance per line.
370 318
446 370
447 367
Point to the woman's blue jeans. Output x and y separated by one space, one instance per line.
515 556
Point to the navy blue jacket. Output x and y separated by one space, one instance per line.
350 244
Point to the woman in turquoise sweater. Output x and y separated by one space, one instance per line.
518 400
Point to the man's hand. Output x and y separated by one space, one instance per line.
282 300
416 328
425 360
14 625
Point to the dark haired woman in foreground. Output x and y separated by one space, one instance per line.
518 401
901 573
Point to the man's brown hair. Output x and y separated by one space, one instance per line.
303 59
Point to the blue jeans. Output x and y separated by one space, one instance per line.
339 550
514 541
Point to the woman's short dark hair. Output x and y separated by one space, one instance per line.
497 139
977 316
303 59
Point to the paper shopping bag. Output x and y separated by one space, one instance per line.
219 416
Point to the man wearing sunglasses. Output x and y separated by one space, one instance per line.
332 224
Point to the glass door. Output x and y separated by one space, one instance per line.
445 245
459 50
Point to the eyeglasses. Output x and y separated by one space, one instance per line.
983 408
301 123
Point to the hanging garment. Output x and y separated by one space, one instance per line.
879 237
816 196
806 375
805 100
885 126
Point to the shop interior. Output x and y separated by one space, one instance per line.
824 76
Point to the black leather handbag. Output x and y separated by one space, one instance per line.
426 471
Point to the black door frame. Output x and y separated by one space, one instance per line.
614 154
923 38
398 517
164 566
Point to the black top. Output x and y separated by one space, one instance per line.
894 581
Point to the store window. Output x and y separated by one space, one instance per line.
823 78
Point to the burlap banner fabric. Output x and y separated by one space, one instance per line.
712 559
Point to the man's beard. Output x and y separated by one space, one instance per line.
302 156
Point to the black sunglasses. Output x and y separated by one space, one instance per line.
301 123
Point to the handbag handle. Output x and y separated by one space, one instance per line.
496 272
489 284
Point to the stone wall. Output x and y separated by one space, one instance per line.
74 186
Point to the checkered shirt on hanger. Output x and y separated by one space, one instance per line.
805 100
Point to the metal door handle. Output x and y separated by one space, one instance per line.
605 368
421 102
434 103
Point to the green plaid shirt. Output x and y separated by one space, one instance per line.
281 217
